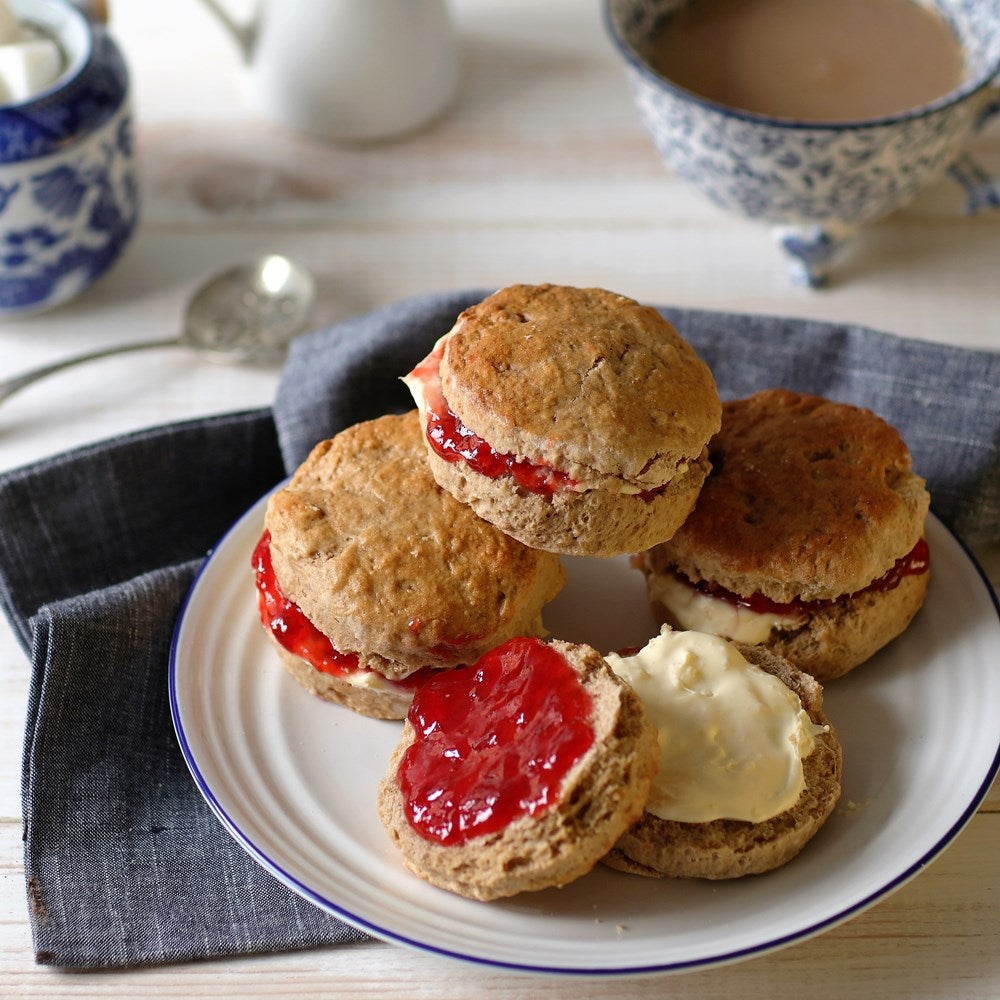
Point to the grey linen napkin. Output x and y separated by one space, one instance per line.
125 863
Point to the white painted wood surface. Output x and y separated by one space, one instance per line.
540 172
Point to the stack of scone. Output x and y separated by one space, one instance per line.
403 570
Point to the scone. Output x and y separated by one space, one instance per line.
519 772
574 419
750 765
370 576
807 537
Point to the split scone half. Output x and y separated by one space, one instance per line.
519 772
807 538
370 577
574 419
750 767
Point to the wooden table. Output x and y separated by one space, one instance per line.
540 172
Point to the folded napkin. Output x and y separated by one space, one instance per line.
125 863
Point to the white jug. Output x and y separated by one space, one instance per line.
352 70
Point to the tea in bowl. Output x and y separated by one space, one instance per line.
816 117
69 197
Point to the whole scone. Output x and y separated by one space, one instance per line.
370 576
807 537
519 772
574 419
725 847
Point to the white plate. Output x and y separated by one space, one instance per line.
294 778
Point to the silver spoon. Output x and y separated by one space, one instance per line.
248 313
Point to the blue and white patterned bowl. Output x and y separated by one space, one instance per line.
818 182
69 196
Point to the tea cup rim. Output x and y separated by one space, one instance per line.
990 77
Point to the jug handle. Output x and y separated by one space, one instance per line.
242 34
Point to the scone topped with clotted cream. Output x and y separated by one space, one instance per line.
750 767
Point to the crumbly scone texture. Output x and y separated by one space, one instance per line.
590 523
807 498
835 638
389 566
586 381
726 848
843 635
603 794
374 702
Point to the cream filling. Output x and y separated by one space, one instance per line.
732 737
425 381
370 680
689 608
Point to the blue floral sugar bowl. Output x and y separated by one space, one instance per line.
69 197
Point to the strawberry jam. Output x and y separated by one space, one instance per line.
286 622
493 741
454 442
648 496
915 562
293 630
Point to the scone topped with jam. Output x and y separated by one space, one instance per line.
519 772
574 419
807 538
370 577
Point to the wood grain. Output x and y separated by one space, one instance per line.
540 172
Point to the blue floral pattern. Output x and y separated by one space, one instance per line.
787 175
82 104
69 195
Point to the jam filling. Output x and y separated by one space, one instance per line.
915 562
293 630
454 442
648 496
493 741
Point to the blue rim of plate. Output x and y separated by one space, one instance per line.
707 962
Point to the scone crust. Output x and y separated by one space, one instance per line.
726 848
601 796
586 381
593 523
807 499
841 636
388 565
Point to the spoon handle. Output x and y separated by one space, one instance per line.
9 386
